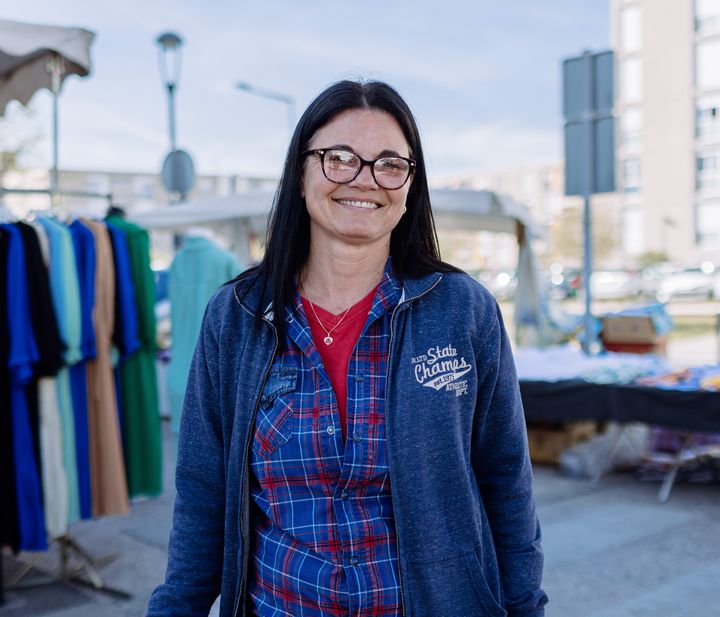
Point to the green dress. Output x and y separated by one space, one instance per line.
138 375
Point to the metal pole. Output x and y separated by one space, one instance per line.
275 96
589 339
171 116
587 273
56 156
56 69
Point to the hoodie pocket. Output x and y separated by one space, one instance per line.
274 420
482 589
451 586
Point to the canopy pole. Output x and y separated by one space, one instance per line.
56 68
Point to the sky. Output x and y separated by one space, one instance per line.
482 77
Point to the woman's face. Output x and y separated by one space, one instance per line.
359 212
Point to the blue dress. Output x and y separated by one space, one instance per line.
84 243
23 353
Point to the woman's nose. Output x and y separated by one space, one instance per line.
365 178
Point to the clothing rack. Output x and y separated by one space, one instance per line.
86 573
52 194
89 565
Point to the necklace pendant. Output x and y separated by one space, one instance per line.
328 340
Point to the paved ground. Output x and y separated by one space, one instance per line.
612 551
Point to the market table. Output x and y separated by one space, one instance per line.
575 399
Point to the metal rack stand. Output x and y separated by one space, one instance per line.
86 573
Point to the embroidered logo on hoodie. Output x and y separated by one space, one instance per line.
441 367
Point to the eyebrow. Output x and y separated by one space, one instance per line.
385 152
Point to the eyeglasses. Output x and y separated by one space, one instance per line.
343 166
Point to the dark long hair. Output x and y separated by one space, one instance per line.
413 242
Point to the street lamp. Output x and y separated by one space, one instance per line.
178 169
275 96
170 63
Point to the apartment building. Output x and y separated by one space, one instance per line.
668 107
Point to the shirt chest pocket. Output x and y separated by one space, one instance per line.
274 420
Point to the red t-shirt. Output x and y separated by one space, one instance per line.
336 356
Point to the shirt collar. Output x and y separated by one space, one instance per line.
386 298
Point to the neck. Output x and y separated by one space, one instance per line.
337 275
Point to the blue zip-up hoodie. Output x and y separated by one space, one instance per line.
467 530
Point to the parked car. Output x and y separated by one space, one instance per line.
652 277
614 285
691 283
563 282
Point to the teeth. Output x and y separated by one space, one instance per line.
358 204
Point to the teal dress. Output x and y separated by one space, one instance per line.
65 290
197 272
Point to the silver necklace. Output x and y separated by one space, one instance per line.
328 339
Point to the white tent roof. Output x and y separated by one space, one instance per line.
452 208
251 205
24 53
479 210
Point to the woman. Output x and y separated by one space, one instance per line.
353 441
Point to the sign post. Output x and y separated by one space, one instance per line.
588 99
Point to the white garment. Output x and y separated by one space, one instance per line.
43 240
54 480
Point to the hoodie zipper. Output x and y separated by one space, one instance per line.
240 593
387 388
254 414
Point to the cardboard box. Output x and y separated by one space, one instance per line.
548 440
621 329
658 348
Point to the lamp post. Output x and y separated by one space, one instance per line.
178 169
170 63
275 96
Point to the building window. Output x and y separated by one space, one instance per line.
708 171
708 224
633 233
99 183
631 29
707 15
708 119
631 80
708 65
631 128
631 175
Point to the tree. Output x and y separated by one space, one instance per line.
20 132
566 236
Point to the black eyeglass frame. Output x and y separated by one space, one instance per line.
321 152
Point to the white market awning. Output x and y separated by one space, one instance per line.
452 209
26 51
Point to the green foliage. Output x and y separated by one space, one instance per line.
650 258
566 236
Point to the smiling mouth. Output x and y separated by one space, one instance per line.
354 203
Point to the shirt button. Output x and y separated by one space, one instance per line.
356 439
359 378
289 319
354 561
330 430
263 399
344 495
